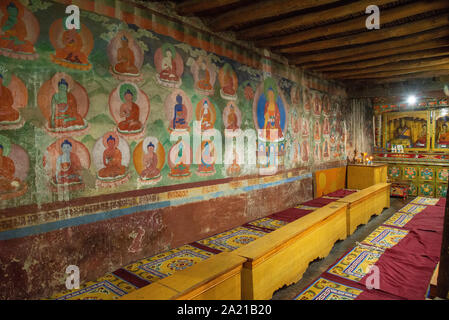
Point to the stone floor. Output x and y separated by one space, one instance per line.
317 267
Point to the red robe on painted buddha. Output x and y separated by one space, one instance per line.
7 112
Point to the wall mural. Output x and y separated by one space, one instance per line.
112 106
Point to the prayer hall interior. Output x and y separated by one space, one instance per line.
224 150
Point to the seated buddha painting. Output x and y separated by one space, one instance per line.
149 159
270 111
111 157
307 96
178 111
72 46
19 31
408 129
204 75
126 57
14 167
441 131
180 158
129 107
169 66
205 114
65 104
13 97
232 118
64 162
228 82
206 157
295 94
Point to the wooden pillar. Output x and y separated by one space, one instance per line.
443 273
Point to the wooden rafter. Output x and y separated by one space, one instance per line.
375 47
360 65
191 7
261 10
307 19
352 61
358 23
373 35
417 75
391 73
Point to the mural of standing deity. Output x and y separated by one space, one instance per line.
64 103
206 157
169 66
14 167
126 57
317 130
64 161
232 162
232 117
295 94
72 46
204 74
178 110
19 31
270 111
111 157
205 114
228 82
149 159
326 105
13 97
305 151
180 159
129 107
317 105
307 100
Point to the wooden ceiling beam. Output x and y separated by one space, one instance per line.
262 10
417 75
391 73
192 7
346 62
403 65
437 52
373 35
307 19
300 59
358 23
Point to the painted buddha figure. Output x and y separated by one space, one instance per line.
72 50
228 82
234 168
125 59
204 77
180 114
272 116
206 116
64 113
7 170
403 135
68 165
168 71
180 161
14 32
150 161
112 160
443 137
207 158
232 119
131 112
421 142
7 112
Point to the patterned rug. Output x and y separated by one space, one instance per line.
385 237
425 201
306 207
356 263
232 239
265 224
412 208
324 289
399 219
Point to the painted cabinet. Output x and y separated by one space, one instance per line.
363 176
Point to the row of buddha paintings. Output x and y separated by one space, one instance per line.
413 130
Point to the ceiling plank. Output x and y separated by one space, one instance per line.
344 62
423 54
358 23
373 35
306 19
392 66
192 7
417 75
261 10
390 73
299 59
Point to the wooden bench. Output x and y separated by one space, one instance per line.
282 256
365 203
217 278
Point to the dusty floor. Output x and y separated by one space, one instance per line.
319 266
